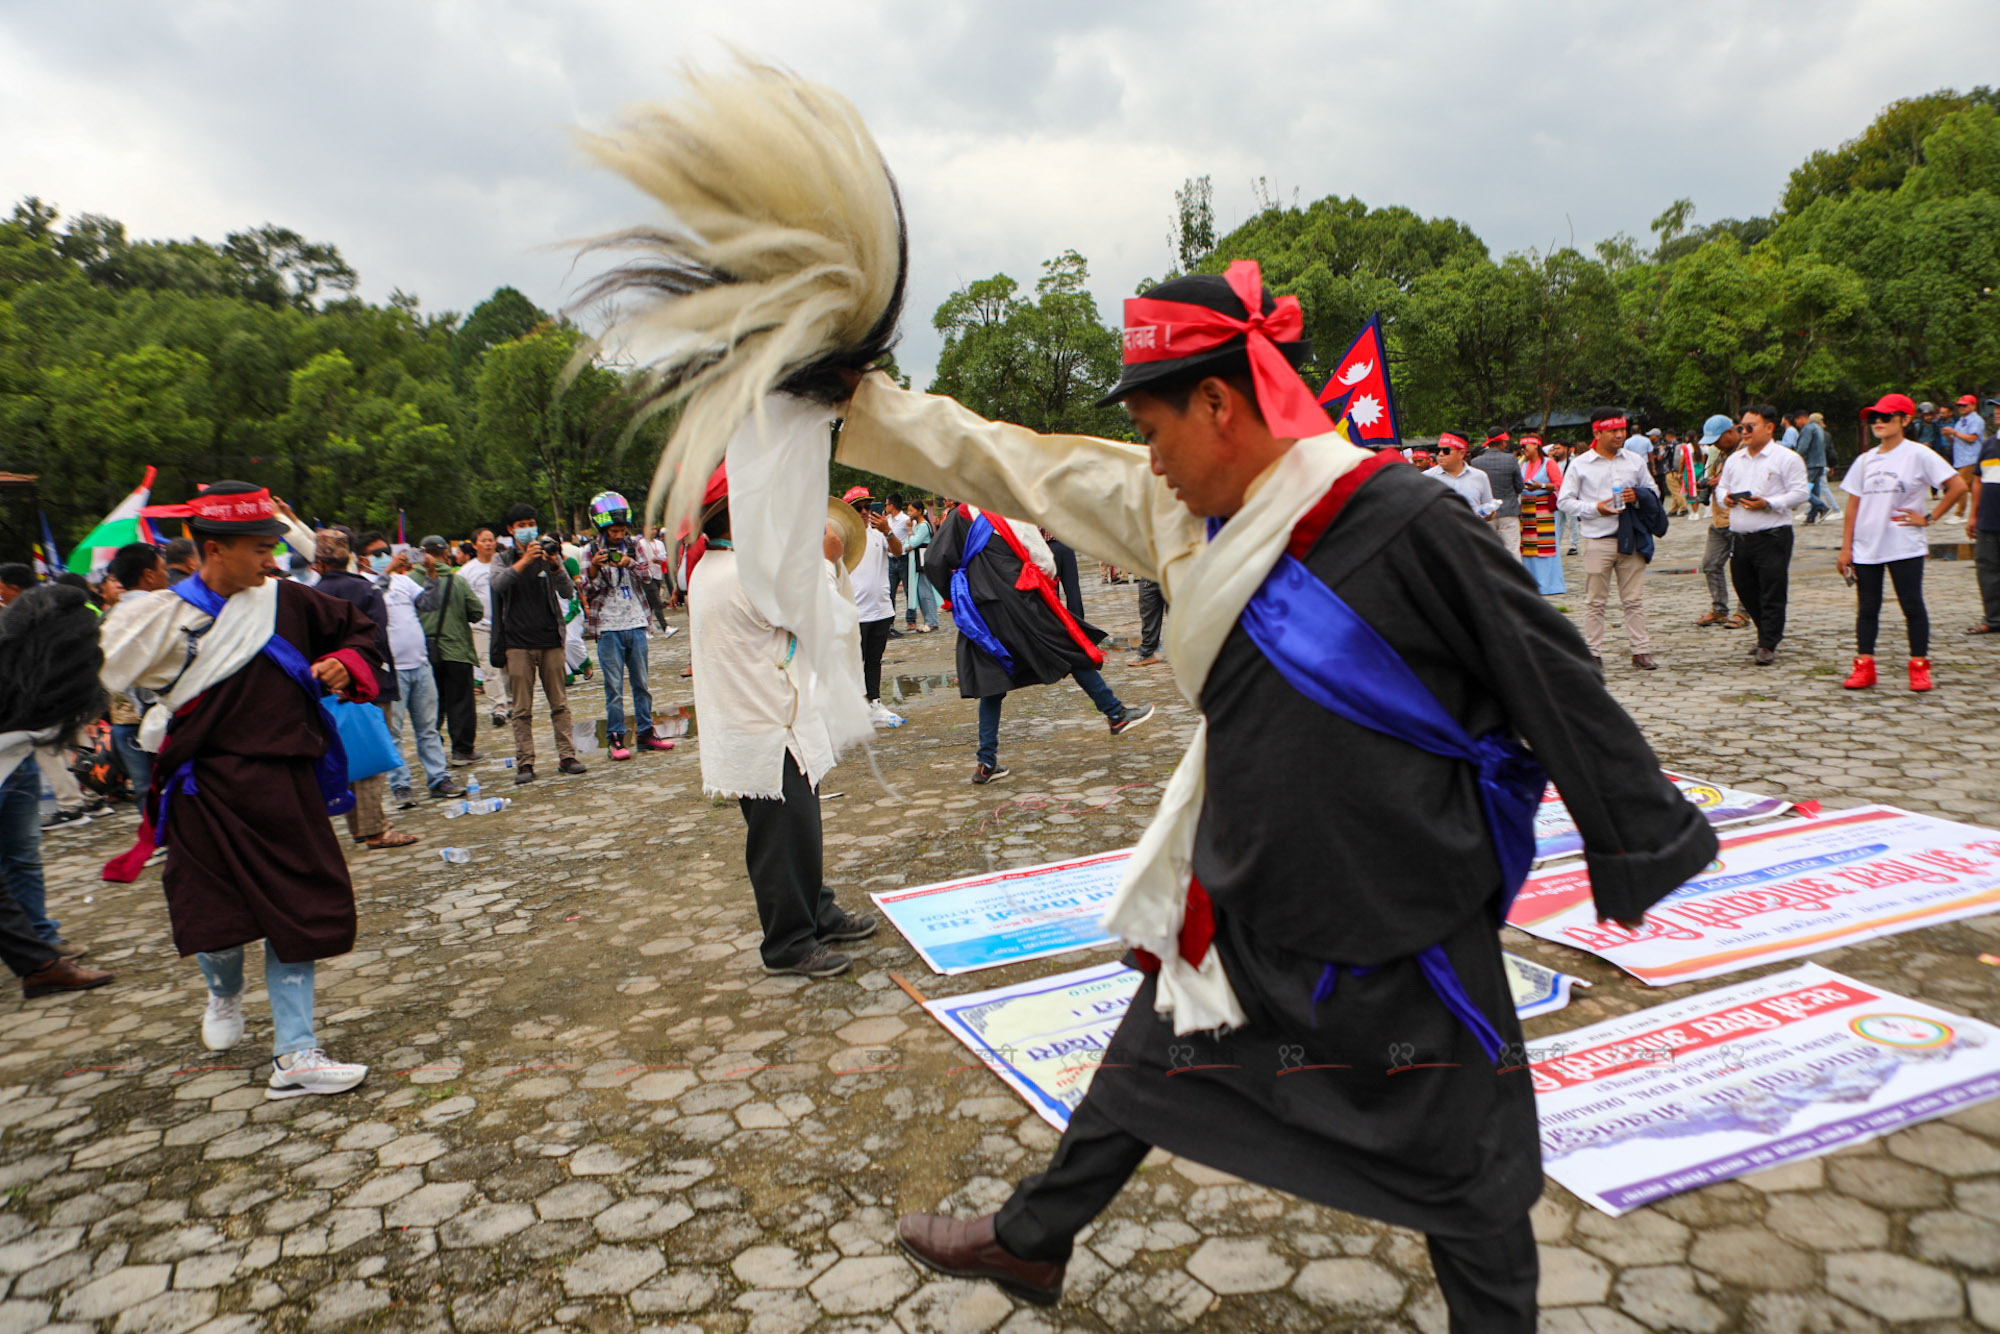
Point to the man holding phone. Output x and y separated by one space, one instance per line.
528 635
1762 484
1598 486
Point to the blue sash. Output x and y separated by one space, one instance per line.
964 614
330 769
1336 659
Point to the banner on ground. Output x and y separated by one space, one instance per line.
985 921
1747 1077
1556 833
1046 1038
1784 890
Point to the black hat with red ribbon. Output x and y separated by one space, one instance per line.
233 509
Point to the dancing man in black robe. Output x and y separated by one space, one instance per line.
1328 1012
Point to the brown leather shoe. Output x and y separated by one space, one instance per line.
960 1249
60 974
1713 618
1644 662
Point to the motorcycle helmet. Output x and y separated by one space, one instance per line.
608 508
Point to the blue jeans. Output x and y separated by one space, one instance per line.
21 846
290 985
899 571
1089 678
926 598
136 763
1813 478
1566 527
420 701
620 651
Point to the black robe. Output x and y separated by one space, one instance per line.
1042 648
1322 841
250 853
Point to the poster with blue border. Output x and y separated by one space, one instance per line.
1003 917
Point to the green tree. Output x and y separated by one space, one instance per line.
1881 155
1041 363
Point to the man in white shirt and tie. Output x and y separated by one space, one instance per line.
1762 483
1598 486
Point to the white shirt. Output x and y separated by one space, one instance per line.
478 576
406 634
1790 439
655 551
1774 473
1472 485
899 524
871 580
1590 478
1884 483
744 689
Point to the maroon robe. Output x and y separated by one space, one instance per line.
250 853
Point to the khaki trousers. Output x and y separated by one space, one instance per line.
1601 564
1509 530
485 672
368 817
523 666
1676 496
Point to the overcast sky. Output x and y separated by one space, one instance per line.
429 139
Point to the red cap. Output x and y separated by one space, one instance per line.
1968 400
1892 403
855 493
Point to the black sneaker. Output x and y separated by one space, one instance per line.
448 789
1130 719
461 761
572 765
989 773
523 773
56 819
852 926
500 720
819 961
405 799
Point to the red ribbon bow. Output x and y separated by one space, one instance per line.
1169 330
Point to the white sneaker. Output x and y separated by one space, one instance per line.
222 1022
881 716
312 1071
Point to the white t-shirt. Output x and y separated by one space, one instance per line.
871 580
478 576
406 634
899 524
1884 483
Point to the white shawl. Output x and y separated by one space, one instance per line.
147 638
1209 597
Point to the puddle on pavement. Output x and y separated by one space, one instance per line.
908 687
671 724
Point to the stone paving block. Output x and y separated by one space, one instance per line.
778 1312
428 1206
1805 1174
1349 1287
106 1296
1588 1320
1750 1257
168 1313
485 1224
1827 1222
600 1160
1227 1266
346 1303
1805 1313
1888 1183
1945 1148
611 1270
504 1307
1983 1297
21 1317
1643 1237
38 1248
1667 1297
676 1291
1949 1237
863 1283
779 1267
641 1216
411 1150
954 1306
1894 1287
1571 1277
1167 1300
578 1199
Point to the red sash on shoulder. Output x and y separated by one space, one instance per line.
1033 580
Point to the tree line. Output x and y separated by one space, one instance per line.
1876 271
251 358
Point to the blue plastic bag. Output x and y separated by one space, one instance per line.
365 734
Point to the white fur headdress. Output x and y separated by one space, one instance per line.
781 266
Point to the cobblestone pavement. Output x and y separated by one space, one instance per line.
590 1109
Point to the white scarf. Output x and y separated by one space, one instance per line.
1208 599
249 619
17 746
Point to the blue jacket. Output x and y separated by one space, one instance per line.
1640 522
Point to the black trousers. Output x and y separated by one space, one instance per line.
456 709
1908 577
1488 1282
1152 615
1987 550
1760 565
874 638
653 604
783 853
1068 577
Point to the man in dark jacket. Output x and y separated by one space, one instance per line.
1013 630
528 639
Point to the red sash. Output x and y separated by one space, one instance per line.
1033 580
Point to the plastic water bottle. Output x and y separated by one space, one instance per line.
456 809
455 856
472 787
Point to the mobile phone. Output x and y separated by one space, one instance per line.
1742 495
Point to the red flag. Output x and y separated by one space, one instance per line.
1359 390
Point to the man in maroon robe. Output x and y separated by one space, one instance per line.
245 786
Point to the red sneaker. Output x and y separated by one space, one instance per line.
1864 675
651 742
1920 673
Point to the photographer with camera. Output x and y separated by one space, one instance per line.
617 583
528 640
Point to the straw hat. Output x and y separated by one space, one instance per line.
853 532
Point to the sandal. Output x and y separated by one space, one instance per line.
392 838
1982 628
1711 618
1736 622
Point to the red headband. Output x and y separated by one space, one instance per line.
1610 424
1169 330
1531 440
1450 441
241 507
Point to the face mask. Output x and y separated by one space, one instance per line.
525 535
379 561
